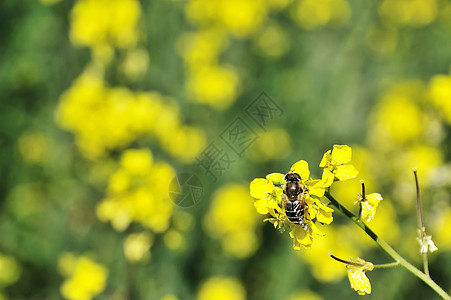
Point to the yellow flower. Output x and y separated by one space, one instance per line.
137 245
368 206
335 165
86 277
268 194
221 288
232 219
357 277
10 270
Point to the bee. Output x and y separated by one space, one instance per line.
293 198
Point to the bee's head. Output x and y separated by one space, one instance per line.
292 177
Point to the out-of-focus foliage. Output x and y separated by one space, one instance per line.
105 104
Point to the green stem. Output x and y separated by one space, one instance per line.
389 265
388 249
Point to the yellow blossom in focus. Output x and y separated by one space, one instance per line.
86 278
409 12
232 219
357 277
440 94
10 270
105 23
33 146
335 164
312 14
221 288
268 199
369 205
137 245
137 192
213 85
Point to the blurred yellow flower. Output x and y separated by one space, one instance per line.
10 270
232 219
335 164
357 277
105 23
201 48
137 192
240 17
173 239
312 14
389 125
33 146
317 256
440 94
305 295
272 41
409 12
221 288
86 278
104 118
214 85
137 245
369 205
135 63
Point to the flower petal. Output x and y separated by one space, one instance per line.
260 187
346 172
325 214
326 159
316 230
359 282
367 211
300 237
316 187
275 178
341 154
374 199
261 206
328 177
301 167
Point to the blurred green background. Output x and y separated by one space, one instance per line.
104 103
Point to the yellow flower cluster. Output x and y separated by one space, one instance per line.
209 81
104 118
105 24
85 277
271 199
408 139
138 192
312 14
233 220
221 288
